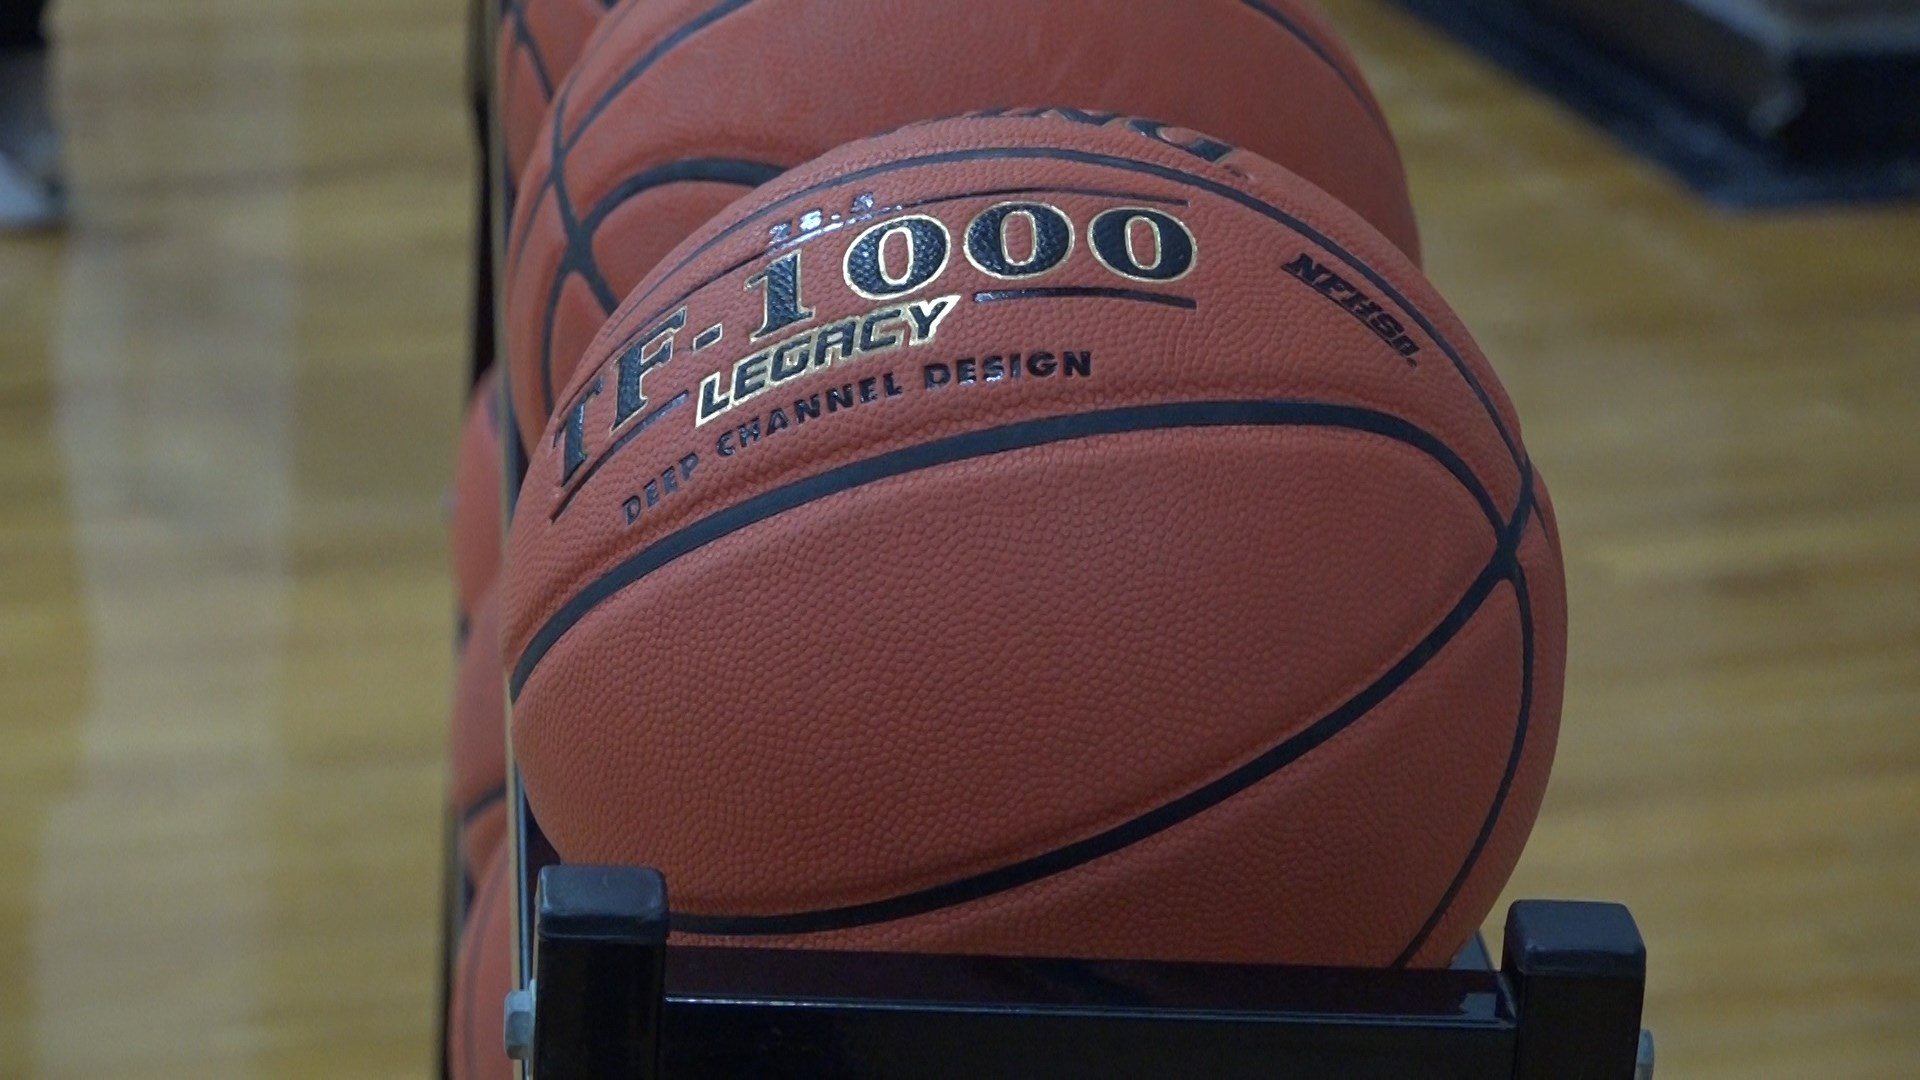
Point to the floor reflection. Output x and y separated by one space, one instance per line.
174 416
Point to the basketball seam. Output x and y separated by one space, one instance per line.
513 462
573 262
556 175
483 802
987 442
1326 57
1516 752
1026 435
579 256
1145 826
523 36
561 144
1085 292
658 52
1127 164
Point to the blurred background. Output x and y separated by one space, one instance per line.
229 389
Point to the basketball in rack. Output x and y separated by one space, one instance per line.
603 994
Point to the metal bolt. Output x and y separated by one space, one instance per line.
1643 1064
519 1024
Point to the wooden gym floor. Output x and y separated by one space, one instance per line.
227 402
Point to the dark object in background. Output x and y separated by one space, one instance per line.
479 78
32 195
1816 78
1752 102
21 24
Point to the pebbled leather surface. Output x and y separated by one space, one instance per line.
774 82
1261 687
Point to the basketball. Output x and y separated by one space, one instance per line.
482 977
476 519
478 743
679 107
1019 535
539 41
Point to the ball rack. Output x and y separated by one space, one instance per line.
611 998
603 993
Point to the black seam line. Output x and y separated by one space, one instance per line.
579 255
984 443
523 36
646 422
1178 176
1071 292
547 322
1523 603
579 258
640 66
602 33
513 461
576 260
484 803
517 237
1158 820
556 172
858 219
1546 522
1326 57
652 56
719 170
728 7
1097 193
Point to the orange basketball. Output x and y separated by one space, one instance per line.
679 106
539 41
482 978
476 516
1065 546
478 786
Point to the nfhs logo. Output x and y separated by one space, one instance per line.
1015 243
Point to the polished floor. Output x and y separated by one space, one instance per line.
227 402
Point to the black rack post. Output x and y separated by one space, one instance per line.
604 931
612 999
1578 974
